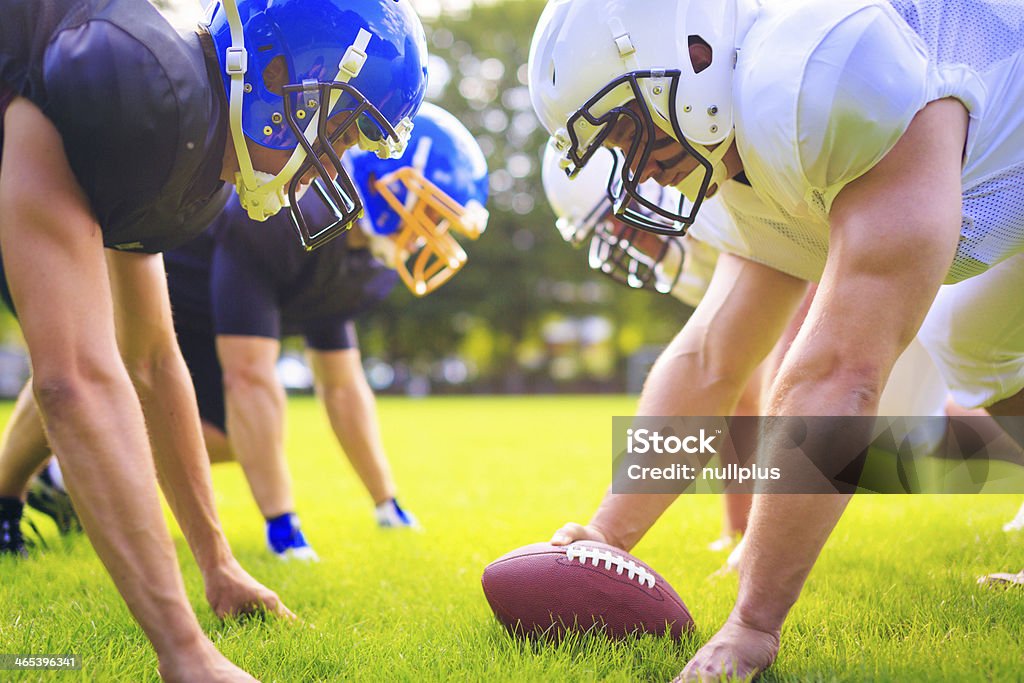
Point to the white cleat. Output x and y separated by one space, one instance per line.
1017 523
390 515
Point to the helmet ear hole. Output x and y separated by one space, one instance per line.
275 76
701 54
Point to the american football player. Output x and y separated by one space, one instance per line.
120 132
888 136
643 260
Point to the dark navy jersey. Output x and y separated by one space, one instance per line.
238 273
142 119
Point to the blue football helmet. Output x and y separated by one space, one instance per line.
584 211
360 64
416 204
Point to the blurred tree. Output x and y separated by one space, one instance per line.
520 272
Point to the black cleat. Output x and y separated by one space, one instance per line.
11 540
46 497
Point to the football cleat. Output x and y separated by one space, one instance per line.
47 496
390 515
1017 523
723 543
11 540
285 539
1002 580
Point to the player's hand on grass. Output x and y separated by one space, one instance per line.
737 651
201 663
572 532
232 592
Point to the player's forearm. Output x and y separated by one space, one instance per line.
99 434
624 518
169 403
352 411
837 386
774 567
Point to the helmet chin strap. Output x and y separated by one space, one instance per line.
263 194
690 185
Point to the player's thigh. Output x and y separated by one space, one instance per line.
975 334
244 298
52 248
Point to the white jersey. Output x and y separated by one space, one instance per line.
701 256
738 222
753 229
825 88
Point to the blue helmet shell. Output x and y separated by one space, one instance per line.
312 36
454 163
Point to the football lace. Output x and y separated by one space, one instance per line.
583 553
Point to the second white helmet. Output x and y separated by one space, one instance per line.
589 59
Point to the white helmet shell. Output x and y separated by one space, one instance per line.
579 46
579 203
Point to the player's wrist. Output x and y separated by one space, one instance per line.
605 533
214 557
763 616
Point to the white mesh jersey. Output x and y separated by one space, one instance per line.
701 256
764 237
744 224
825 88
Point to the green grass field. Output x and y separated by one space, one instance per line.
893 598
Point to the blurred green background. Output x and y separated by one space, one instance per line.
526 314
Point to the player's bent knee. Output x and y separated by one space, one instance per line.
59 394
245 377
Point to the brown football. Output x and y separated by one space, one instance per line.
544 589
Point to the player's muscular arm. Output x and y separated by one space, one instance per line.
894 233
702 372
150 351
55 266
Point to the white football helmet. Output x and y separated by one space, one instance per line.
589 59
581 202
620 251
